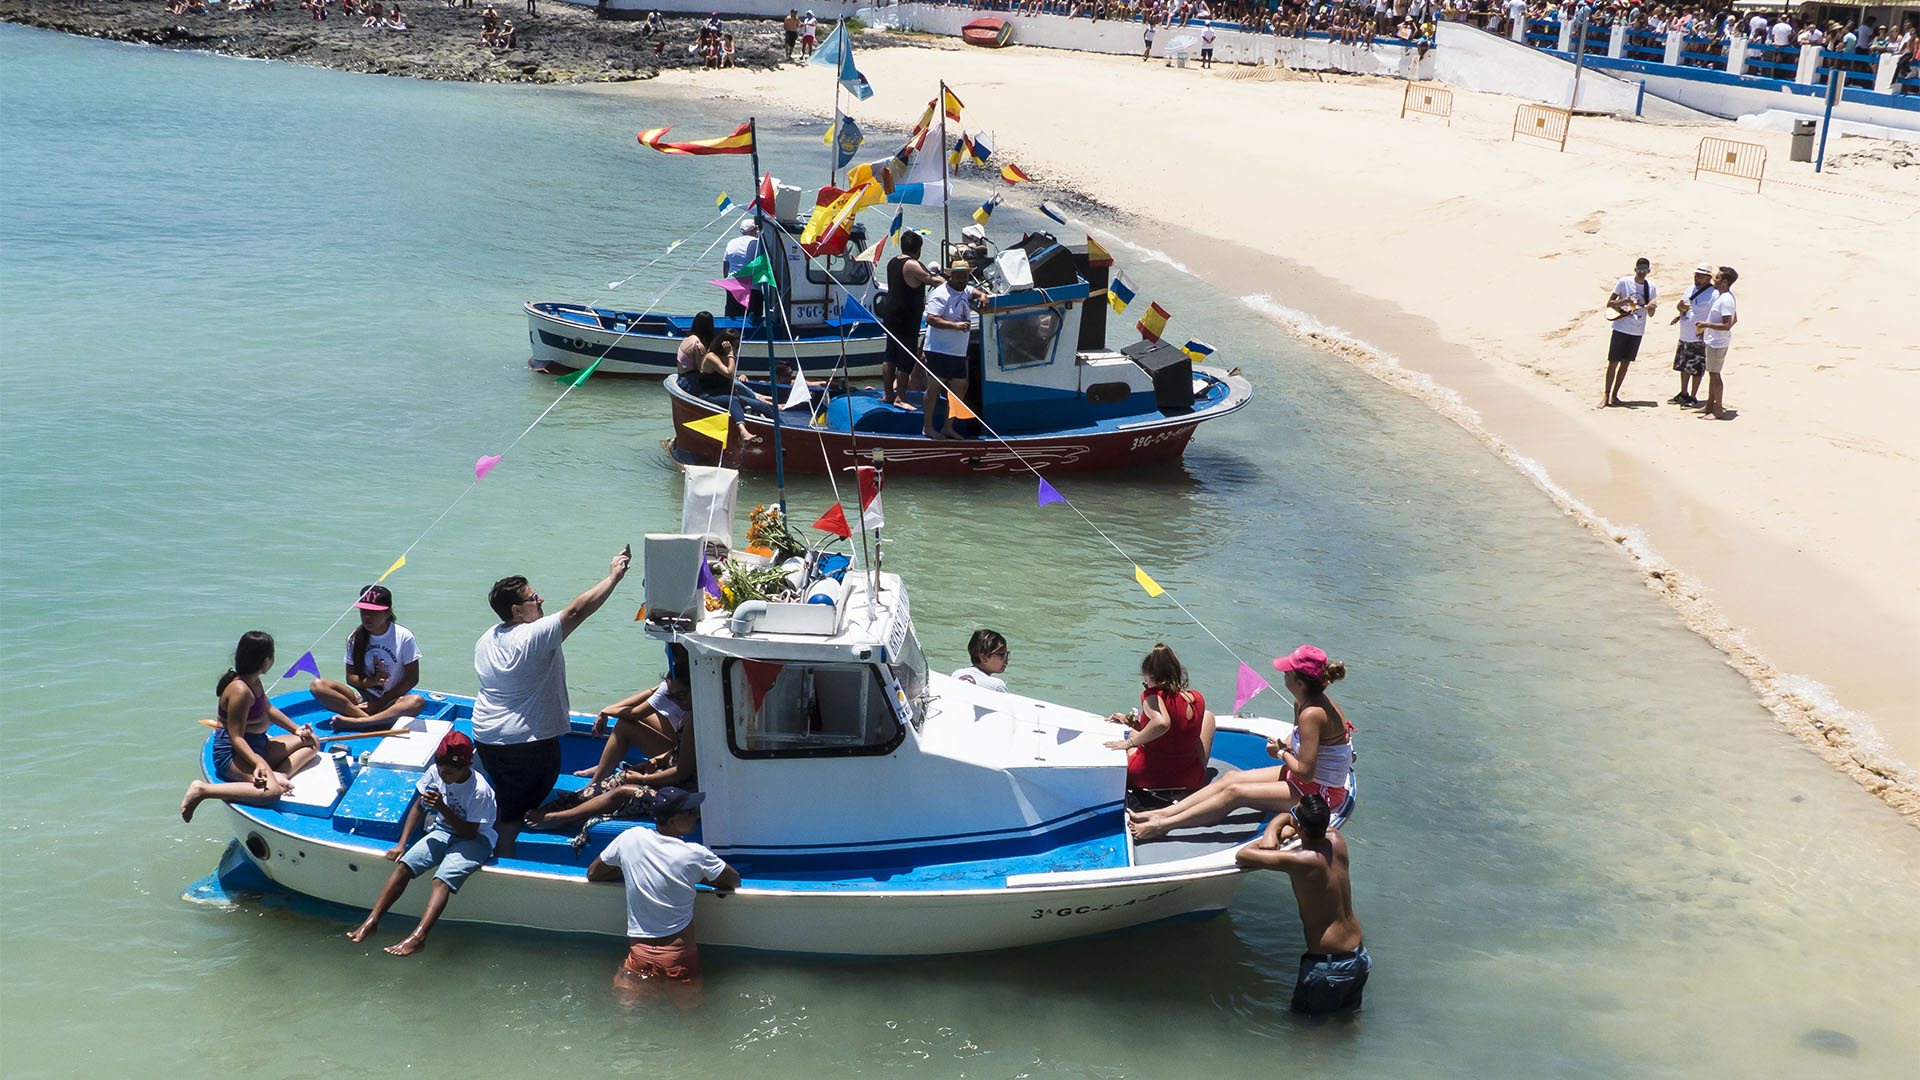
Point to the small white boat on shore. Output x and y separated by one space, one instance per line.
871 807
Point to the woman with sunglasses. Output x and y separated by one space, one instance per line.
1172 730
383 667
989 653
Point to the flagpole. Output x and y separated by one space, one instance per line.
773 297
833 152
946 193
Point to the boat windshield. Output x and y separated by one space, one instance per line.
809 710
909 668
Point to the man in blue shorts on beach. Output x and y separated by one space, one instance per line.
1334 970
458 839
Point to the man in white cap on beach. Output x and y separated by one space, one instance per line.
741 250
662 870
1690 355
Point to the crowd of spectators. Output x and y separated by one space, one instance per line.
1849 43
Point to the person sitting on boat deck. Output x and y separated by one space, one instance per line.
700 340
949 332
458 840
907 282
249 767
719 382
1334 969
521 708
661 870
650 721
989 653
1172 730
627 792
383 667
1317 759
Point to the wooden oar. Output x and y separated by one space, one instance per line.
212 723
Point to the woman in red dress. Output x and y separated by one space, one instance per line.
1172 729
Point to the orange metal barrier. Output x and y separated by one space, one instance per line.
1427 99
1746 160
1542 122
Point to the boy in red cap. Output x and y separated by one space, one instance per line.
458 840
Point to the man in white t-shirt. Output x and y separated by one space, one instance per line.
949 319
1782 33
1207 37
1757 28
741 250
457 841
1632 300
1690 354
521 710
661 869
1717 331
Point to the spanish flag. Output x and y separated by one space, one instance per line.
1096 255
1119 294
951 103
1153 323
1013 175
740 142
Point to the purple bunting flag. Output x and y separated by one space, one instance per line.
736 288
305 663
1048 495
708 582
1248 684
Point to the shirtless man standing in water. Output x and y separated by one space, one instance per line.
1334 969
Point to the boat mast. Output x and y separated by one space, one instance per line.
946 194
833 126
773 297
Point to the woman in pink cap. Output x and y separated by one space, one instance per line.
383 667
1317 759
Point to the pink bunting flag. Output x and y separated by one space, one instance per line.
305 663
1249 684
736 288
484 466
1048 495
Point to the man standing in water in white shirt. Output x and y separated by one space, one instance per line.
662 870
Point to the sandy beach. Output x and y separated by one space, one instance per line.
1471 270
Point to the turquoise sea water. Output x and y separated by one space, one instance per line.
256 323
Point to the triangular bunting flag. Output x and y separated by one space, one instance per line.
957 409
484 466
1048 495
1096 255
397 564
708 583
714 427
1153 587
305 663
739 290
1248 684
798 396
834 521
575 378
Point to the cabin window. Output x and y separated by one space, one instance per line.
909 667
844 269
809 710
1028 340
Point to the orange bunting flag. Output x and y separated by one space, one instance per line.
951 103
740 142
957 409
641 615
1153 323
1013 175
1097 255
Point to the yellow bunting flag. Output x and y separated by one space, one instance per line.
957 409
397 564
1153 587
713 427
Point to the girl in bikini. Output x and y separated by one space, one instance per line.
252 767
1317 759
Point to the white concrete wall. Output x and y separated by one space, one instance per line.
1476 60
1123 39
825 10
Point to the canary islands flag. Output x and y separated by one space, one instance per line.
1153 323
1119 294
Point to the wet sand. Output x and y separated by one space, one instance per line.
1470 270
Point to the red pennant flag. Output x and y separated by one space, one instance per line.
766 195
834 521
760 678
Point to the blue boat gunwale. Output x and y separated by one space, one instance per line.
761 878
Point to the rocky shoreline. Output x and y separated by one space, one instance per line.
563 43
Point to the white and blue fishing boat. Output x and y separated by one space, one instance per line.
872 807
1047 392
817 329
